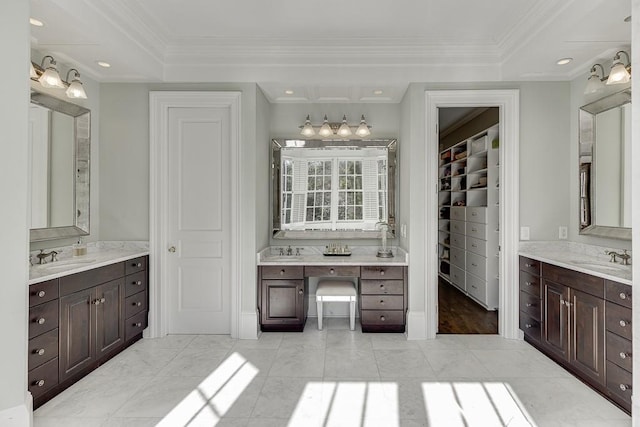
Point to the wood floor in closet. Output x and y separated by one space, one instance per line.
459 314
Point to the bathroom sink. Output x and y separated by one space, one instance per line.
599 266
65 265
281 258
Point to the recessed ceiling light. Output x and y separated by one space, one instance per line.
288 92
36 22
564 61
378 92
627 19
104 64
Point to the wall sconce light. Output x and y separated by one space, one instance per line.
335 129
49 78
619 74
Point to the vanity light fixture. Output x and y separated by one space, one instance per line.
75 89
619 72
335 129
50 77
32 71
594 82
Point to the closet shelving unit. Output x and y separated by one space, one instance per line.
468 226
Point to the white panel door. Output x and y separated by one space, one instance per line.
199 221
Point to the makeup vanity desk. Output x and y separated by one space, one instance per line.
283 286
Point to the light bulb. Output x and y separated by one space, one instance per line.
325 130
307 129
618 74
344 129
76 90
51 79
363 129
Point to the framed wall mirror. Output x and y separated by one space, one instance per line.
60 146
605 166
333 189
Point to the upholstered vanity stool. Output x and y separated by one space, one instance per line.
337 290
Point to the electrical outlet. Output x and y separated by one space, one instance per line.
562 232
524 233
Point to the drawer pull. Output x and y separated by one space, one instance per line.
332 271
528 265
300 292
137 325
474 213
474 265
137 283
474 229
562 302
474 286
530 305
625 387
382 272
137 304
41 294
40 383
382 318
623 323
623 295
528 326
624 355
136 264
528 283
96 302
39 352
473 245
282 272
41 321
381 302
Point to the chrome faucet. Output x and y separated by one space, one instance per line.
624 256
43 255
289 250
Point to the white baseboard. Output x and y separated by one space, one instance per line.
416 325
249 326
18 416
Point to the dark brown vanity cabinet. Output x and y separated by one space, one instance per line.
619 343
530 299
383 298
283 303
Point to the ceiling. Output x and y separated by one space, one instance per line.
331 50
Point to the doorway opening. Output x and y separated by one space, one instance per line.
468 219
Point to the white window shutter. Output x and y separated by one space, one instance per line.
370 190
298 207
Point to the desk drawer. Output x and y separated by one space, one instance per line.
135 325
530 326
43 348
382 287
530 265
618 319
530 304
382 302
43 378
382 317
530 283
135 283
382 272
43 318
135 265
43 292
282 272
619 383
135 304
619 351
618 293
332 271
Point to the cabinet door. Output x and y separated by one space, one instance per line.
587 335
555 336
109 317
283 302
77 348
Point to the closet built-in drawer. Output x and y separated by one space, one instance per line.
477 246
529 265
135 283
382 317
479 231
135 304
282 272
382 302
619 382
43 318
477 214
457 257
43 378
530 304
135 325
530 283
457 213
457 276
42 292
476 264
135 265
618 293
43 348
382 272
618 319
530 326
619 351
332 271
457 227
476 287
382 287
457 240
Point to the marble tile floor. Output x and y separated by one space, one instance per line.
333 377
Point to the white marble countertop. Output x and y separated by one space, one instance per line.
98 254
313 255
588 259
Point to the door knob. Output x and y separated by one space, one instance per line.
172 249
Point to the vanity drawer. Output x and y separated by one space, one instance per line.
530 283
457 240
476 287
43 378
457 257
282 272
43 318
43 348
457 276
135 265
618 319
530 326
619 383
476 264
329 271
457 227
477 214
382 302
479 231
382 287
370 272
135 325
530 304
43 292
135 304
530 265
618 293
135 283
619 351
477 246
382 317
457 213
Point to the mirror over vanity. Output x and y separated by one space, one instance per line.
333 189
60 145
605 166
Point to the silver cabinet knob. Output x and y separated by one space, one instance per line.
528 326
40 352
172 249
382 318
332 271
138 283
623 295
96 302
282 272
40 383
529 304
624 355
623 323
138 264
41 294
528 283
381 302
625 387
527 264
102 300
137 325
137 304
41 321
382 272
300 292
